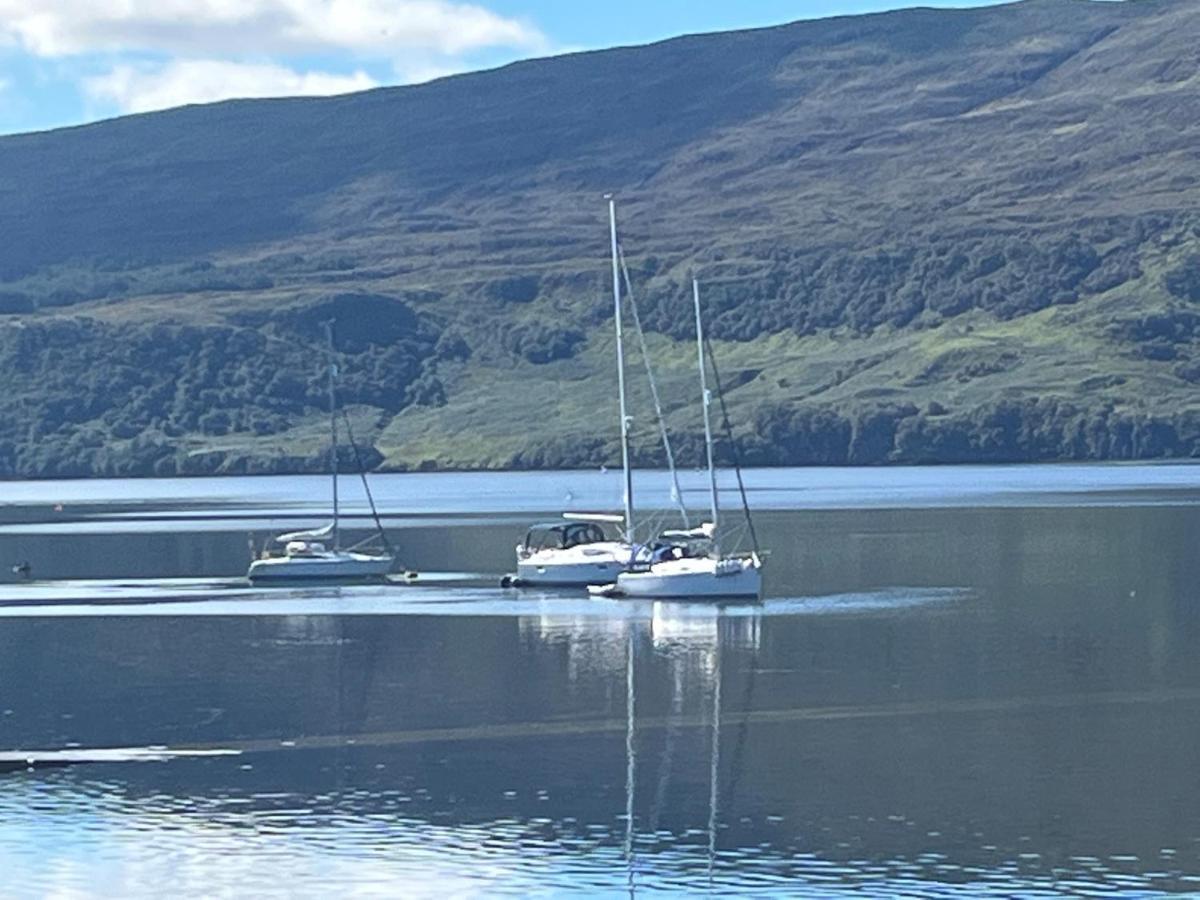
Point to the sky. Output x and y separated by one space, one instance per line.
67 62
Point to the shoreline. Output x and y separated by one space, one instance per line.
1157 461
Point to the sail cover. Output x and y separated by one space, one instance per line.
704 532
593 517
318 534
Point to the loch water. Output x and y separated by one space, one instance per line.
962 682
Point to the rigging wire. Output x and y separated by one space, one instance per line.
733 449
336 357
333 432
362 474
676 491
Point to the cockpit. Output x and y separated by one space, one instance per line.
562 536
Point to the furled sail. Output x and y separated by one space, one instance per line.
703 532
320 534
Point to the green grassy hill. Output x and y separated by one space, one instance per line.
924 236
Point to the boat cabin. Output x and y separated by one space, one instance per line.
562 536
304 548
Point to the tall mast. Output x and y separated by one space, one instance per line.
616 271
707 399
333 430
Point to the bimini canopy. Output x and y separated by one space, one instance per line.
563 535
318 534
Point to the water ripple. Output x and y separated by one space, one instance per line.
81 837
206 597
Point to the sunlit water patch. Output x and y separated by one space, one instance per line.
64 835
207 597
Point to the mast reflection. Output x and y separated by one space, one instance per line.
670 659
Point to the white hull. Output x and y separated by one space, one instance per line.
327 566
574 566
687 579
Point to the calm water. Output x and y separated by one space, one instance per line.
962 682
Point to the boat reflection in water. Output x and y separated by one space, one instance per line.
685 646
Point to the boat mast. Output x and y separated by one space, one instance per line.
706 400
616 271
333 431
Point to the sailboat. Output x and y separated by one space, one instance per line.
316 555
580 552
689 563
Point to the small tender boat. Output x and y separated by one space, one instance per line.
689 564
572 553
306 556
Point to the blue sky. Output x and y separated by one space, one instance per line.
64 62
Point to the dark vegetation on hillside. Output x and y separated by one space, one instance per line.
1014 431
926 236
1008 275
115 398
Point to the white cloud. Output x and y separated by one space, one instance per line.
380 28
142 89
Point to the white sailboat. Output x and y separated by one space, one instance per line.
689 563
316 555
579 552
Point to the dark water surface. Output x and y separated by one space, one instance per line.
962 682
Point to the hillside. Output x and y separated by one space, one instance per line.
925 236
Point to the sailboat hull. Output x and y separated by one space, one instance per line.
328 567
689 579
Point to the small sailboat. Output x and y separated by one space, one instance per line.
580 552
689 564
316 555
